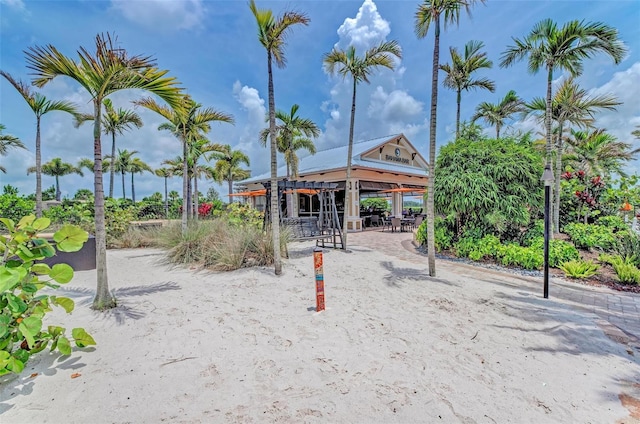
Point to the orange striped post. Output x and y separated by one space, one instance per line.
317 266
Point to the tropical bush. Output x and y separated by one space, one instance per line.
22 303
628 245
588 236
14 207
242 214
443 234
579 268
523 257
614 222
533 232
560 251
493 185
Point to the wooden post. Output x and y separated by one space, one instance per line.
317 265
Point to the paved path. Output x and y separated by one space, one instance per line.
619 309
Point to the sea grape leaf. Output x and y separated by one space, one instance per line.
11 226
40 268
26 221
65 302
64 346
4 325
41 223
82 338
30 327
61 273
70 238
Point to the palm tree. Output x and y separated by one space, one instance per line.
293 133
571 104
137 166
165 173
598 153
272 34
497 113
7 141
40 106
109 70
428 13
187 123
562 48
347 63
56 168
459 73
227 167
122 164
113 122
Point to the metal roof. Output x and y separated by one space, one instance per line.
336 158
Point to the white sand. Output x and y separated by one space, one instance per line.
471 346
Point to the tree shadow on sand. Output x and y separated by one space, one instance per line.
127 307
396 275
44 363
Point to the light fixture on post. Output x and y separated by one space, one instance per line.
547 179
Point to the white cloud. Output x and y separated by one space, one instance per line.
364 31
396 106
250 100
162 14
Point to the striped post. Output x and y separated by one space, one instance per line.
317 265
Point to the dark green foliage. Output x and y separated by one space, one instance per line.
560 251
377 203
490 185
628 245
614 222
443 234
535 231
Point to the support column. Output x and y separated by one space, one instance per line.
354 222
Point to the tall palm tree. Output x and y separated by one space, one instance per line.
122 164
497 113
113 122
227 166
571 104
196 150
57 168
565 48
272 34
7 141
165 173
293 133
428 13
40 106
108 70
187 123
137 166
347 63
599 153
459 73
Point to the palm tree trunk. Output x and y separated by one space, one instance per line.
431 247
230 182
57 188
459 99
103 299
166 200
185 183
275 193
195 197
112 165
556 195
133 190
190 199
547 120
38 170
497 131
347 191
124 197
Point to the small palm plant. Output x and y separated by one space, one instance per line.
579 268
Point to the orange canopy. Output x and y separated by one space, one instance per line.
250 193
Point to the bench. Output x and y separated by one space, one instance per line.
304 228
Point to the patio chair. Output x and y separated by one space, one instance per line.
396 222
418 221
375 220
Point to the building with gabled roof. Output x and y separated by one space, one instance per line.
389 165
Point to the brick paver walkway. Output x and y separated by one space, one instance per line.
620 309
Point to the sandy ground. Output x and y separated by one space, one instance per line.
393 345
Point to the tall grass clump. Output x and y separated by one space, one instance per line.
220 244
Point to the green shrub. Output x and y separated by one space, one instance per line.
560 251
22 303
614 222
534 232
588 236
241 214
579 268
465 246
628 245
76 213
523 257
443 234
14 207
625 269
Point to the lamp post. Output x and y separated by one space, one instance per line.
547 178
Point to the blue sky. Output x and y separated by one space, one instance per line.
211 46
